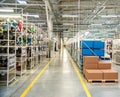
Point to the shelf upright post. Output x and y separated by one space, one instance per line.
78 22
8 56
49 23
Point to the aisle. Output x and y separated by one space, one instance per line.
58 80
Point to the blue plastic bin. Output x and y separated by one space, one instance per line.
87 44
98 52
87 52
98 45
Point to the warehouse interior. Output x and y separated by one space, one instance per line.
59 48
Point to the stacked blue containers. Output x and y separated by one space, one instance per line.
91 48
87 48
98 48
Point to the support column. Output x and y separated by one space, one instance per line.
50 27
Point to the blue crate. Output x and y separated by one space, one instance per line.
87 52
98 52
98 45
106 58
87 44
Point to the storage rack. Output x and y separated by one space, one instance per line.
7 54
21 52
116 51
35 44
43 46
30 46
21 60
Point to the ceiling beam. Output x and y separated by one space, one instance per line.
41 4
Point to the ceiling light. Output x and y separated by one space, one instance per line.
31 15
96 24
109 16
22 1
68 15
6 10
68 24
10 16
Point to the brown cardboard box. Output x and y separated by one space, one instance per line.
90 60
84 69
91 66
94 74
110 74
104 65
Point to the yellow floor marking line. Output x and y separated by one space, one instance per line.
35 79
80 77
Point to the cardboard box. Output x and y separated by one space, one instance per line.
110 74
90 60
90 66
104 65
84 69
94 74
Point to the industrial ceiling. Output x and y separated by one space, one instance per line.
100 17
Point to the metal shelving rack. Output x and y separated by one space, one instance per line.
30 46
21 60
35 43
39 46
116 51
43 47
7 55
21 51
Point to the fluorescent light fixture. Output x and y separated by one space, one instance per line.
6 10
10 16
109 16
22 1
96 24
31 15
42 23
68 24
69 15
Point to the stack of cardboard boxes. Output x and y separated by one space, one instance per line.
95 70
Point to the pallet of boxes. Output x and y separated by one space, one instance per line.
95 70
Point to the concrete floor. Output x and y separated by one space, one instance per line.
60 80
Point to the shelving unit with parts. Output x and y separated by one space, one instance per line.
21 61
7 55
21 54
30 57
30 46
116 51
42 47
35 44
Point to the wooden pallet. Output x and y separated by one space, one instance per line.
94 81
102 81
110 81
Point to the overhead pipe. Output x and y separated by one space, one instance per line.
2 1
98 11
21 4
